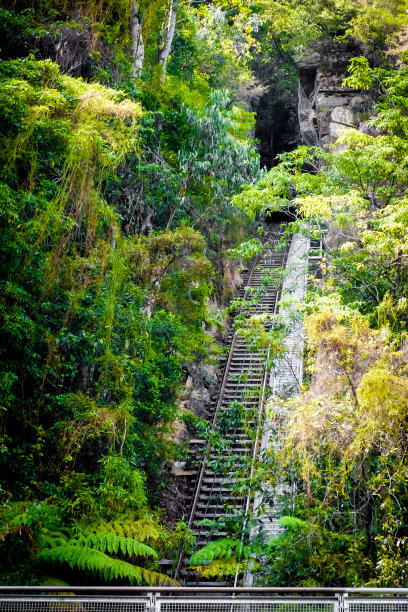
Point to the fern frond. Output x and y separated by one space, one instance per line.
292 522
157 579
142 530
111 543
53 539
92 561
222 548
82 560
220 568
119 530
97 563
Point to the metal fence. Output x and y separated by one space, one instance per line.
162 599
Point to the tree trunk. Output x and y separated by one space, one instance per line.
138 50
168 34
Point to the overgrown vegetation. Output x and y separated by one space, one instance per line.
345 441
105 280
126 132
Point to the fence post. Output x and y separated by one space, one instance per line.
345 602
153 605
342 603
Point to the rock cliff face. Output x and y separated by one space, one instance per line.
326 109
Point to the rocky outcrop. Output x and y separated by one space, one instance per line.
200 385
326 108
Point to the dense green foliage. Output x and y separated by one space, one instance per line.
126 131
105 278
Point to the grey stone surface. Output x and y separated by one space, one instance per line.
344 116
337 130
322 70
199 401
287 375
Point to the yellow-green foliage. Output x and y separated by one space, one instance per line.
141 529
98 127
378 22
104 312
358 401
222 557
298 22
383 407
344 442
152 14
254 331
220 568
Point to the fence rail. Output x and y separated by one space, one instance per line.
173 599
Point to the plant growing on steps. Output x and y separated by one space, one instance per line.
221 558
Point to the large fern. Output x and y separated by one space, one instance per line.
100 564
223 548
112 543
90 552
110 550
219 568
221 557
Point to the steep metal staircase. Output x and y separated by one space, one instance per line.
243 381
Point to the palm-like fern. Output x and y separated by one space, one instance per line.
223 548
220 567
88 552
100 564
112 543
221 557
125 548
